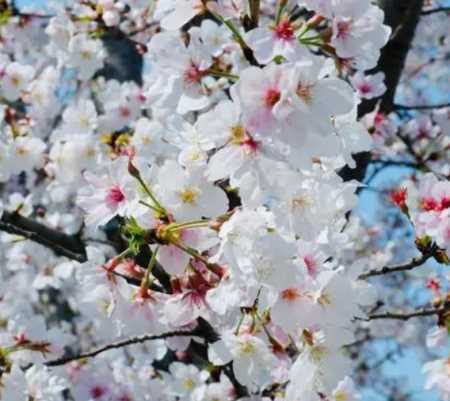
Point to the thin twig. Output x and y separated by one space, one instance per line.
422 106
120 344
415 262
397 163
36 237
406 316
436 10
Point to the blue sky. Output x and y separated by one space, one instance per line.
34 3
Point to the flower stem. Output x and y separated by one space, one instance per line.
196 256
147 190
149 206
145 285
189 224
222 74
280 8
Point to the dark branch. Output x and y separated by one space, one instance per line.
406 316
422 163
397 163
70 246
422 107
436 10
120 344
415 262
402 16
62 244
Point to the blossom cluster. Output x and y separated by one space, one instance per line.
208 192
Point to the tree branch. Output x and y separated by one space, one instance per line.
62 244
120 344
70 246
396 163
436 10
402 16
406 316
254 6
422 107
415 262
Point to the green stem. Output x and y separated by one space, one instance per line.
123 254
149 206
312 41
191 252
147 190
195 255
222 74
311 38
145 285
189 224
266 330
304 32
9 350
241 320
237 35
280 9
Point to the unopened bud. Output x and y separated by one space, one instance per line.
441 257
314 21
134 172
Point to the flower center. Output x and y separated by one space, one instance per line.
97 391
290 294
124 111
272 97
188 384
15 80
237 135
284 30
189 195
247 347
324 299
365 88
250 145
85 55
302 202
21 151
115 196
343 29
193 74
304 92
430 204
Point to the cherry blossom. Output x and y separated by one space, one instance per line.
184 186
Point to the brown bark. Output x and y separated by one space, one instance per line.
62 244
402 16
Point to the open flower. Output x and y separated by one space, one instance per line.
187 194
108 195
